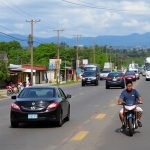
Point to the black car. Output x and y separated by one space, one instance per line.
90 77
115 79
34 104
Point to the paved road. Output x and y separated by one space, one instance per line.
94 124
112 139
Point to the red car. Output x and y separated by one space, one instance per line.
130 75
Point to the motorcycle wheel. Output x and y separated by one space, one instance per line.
131 129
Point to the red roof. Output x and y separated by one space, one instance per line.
38 68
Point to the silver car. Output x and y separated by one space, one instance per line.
104 74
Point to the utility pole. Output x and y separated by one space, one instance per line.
110 53
94 57
77 45
106 52
122 53
115 59
65 72
58 54
31 44
78 36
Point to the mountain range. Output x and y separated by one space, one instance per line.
118 41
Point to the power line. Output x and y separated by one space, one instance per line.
17 11
5 28
101 7
19 39
24 40
21 10
90 5
14 10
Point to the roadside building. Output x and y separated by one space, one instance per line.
22 73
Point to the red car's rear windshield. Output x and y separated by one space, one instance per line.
130 73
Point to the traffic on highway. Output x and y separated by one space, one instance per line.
74 75
93 118
38 112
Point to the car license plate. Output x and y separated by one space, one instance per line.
114 79
32 116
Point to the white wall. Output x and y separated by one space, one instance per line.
50 75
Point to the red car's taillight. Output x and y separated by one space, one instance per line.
108 78
15 106
53 105
119 78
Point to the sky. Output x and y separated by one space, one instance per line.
88 18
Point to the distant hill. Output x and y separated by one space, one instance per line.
125 41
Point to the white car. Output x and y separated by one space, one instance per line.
104 74
147 75
137 74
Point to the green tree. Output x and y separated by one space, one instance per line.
44 52
3 70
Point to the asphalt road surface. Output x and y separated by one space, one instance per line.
94 124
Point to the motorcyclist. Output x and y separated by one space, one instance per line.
130 96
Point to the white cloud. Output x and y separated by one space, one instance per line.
20 26
140 7
131 23
75 19
146 27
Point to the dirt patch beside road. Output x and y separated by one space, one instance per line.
1 96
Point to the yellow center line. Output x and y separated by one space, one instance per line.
100 116
112 105
79 94
80 136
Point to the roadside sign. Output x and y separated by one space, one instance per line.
78 70
51 66
85 61
53 63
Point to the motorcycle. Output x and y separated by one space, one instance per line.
13 89
10 90
130 120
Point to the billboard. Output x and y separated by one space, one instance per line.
85 61
54 64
